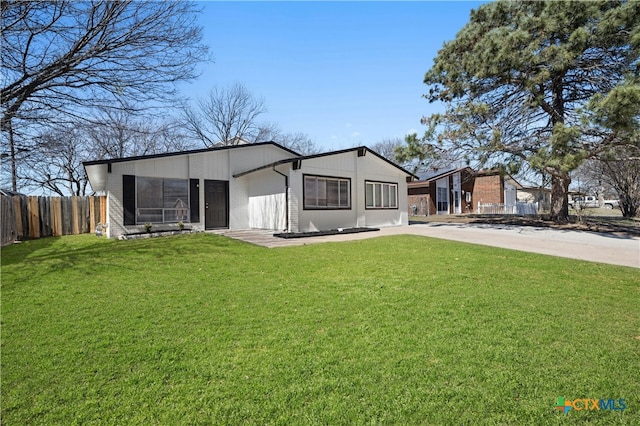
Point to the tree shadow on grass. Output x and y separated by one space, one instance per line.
608 226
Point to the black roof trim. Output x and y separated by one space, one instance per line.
266 166
443 174
323 154
390 162
194 151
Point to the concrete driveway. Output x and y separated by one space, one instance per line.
590 246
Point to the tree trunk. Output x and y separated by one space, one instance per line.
559 201
12 148
629 206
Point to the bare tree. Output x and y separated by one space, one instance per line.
117 134
387 147
227 116
56 165
60 58
297 141
267 132
620 168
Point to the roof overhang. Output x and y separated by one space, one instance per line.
97 174
297 161
266 166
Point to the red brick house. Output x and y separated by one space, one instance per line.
459 191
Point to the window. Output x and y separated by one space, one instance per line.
442 197
322 192
162 200
381 195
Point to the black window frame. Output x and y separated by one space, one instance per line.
163 208
381 206
331 178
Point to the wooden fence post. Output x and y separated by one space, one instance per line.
92 215
8 223
44 207
56 216
86 217
67 211
74 218
17 211
34 219
103 209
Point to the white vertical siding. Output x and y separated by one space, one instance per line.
359 170
212 165
378 170
256 200
167 167
358 199
267 212
267 208
295 200
108 230
196 165
115 211
252 157
339 166
238 204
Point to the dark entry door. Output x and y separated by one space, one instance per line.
216 204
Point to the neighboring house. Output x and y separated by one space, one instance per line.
459 191
256 186
532 194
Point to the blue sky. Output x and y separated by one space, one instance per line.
345 73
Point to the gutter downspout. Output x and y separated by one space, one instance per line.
286 198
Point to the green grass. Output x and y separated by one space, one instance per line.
201 329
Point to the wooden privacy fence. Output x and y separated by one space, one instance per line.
34 217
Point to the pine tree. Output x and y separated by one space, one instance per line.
548 83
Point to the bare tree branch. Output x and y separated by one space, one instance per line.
62 58
226 116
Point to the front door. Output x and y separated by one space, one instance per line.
216 204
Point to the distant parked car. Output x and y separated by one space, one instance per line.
591 201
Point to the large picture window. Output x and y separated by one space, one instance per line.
381 195
321 192
161 200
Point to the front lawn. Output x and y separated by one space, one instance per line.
200 329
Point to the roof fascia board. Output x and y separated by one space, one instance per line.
323 154
193 151
447 173
266 166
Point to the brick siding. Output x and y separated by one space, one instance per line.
488 189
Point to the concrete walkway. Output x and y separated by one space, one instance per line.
590 246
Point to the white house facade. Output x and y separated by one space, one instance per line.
257 186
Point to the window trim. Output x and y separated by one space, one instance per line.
382 183
337 178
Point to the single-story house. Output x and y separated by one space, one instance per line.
252 186
459 191
532 194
